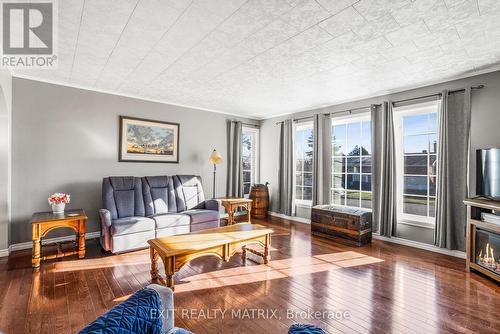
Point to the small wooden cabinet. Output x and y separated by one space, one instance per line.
475 206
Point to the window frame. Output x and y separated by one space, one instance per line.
344 120
301 202
422 108
255 149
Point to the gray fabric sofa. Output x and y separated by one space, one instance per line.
137 209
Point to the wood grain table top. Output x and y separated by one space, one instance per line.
49 216
197 241
233 200
482 202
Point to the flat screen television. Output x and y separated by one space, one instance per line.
488 173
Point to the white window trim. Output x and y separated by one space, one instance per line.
399 112
340 120
300 202
255 175
346 119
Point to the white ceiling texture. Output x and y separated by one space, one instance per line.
261 58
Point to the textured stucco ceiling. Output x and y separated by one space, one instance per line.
260 58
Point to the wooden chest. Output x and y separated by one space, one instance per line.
350 224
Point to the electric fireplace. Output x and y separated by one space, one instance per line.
482 239
487 250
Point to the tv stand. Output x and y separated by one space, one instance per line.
474 208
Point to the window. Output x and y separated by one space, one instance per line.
303 162
351 183
249 156
416 157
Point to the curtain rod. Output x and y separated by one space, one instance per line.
405 100
351 110
437 94
331 113
251 125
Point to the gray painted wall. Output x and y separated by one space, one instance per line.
66 139
484 133
5 114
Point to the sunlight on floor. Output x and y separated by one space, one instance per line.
274 270
131 259
140 257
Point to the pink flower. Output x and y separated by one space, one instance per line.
58 198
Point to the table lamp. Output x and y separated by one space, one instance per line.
216 159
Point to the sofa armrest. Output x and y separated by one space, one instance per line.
105 217
212 204
105 220
167 302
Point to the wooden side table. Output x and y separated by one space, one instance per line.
44 222
231 204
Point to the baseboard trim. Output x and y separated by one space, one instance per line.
29 244
296 219
4 252
421 245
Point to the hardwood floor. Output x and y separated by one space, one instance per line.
379 288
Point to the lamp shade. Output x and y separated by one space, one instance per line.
215 157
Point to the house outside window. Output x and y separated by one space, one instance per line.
249 155
415 128
351 161
304 141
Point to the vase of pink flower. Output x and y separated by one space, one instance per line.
58 202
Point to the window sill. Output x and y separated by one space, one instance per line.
418 224
303 205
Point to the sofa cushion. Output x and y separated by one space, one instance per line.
201 215
122 196
129 225
170 220
189 192
159 195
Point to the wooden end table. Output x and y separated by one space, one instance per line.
223 242
231 204
44 222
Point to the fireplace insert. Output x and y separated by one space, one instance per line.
487 250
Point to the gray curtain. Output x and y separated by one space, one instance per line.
234 162
285 172
322 159
453 169
383 170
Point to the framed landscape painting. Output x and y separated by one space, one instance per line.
143 140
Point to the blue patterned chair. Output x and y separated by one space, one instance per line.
305 329
148 311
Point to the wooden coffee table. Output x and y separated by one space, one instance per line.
223 242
